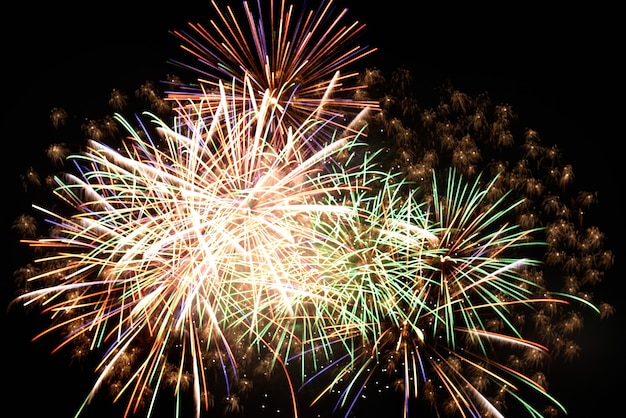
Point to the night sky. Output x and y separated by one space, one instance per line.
560 70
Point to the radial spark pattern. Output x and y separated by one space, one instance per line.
298 55
200 242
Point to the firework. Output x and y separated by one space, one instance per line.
297 56
204 245
262 234
436 287
563 254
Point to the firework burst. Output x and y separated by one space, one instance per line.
532 305
299 56
201 242
263 233
435 285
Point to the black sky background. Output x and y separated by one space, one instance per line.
560 69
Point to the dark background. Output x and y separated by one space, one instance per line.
560 69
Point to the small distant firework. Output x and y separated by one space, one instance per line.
295 224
